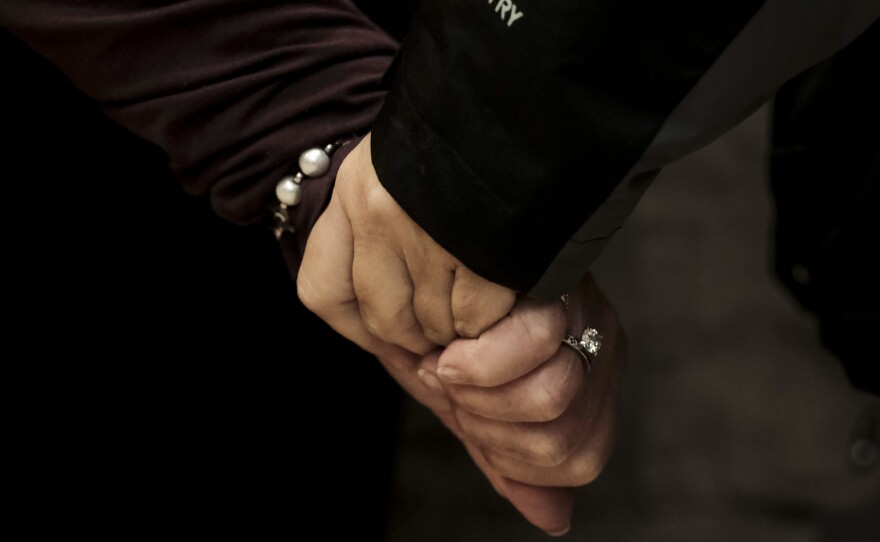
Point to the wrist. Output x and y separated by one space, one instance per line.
314 195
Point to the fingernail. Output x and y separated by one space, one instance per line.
561 532
430 381
450 374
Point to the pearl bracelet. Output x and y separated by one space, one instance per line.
313 162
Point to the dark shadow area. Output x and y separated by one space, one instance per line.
184 410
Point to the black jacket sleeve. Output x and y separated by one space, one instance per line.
519 133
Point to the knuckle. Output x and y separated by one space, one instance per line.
556 389
466 299
373 324
436 327
545 335
539 332
465 422
551 449
551 392
377 202
380 326
464 398
586 468
364 290
305 293
437 336
545 340
384 329
309 296
467 328
388 323
547 405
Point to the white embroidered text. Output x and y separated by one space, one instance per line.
507 11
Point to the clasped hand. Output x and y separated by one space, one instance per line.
490 366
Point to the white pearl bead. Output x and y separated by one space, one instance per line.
314 162
288 192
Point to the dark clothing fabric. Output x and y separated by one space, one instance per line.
518 132
231 91
825 173
519 135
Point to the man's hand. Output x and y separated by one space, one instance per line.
367 261
534 421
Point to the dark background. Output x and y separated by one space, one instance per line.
176 376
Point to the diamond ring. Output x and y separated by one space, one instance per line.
587 346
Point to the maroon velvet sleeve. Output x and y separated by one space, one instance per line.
232 90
